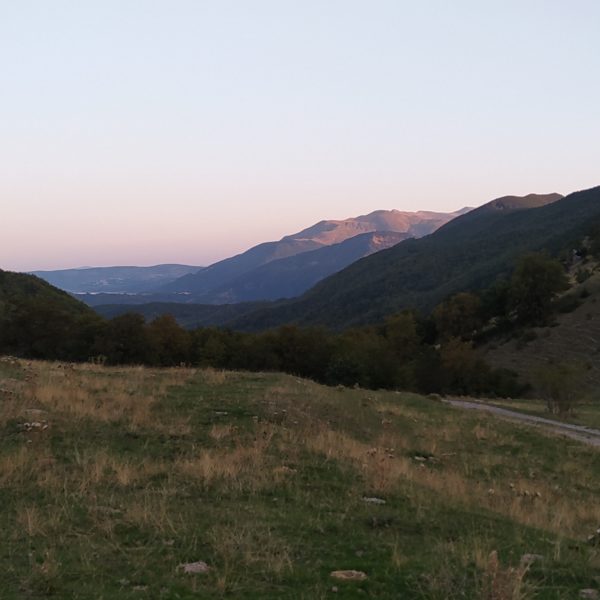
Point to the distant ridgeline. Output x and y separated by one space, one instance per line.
494 271
269 271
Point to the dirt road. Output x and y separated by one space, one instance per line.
580 433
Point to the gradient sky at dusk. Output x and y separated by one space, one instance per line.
150 131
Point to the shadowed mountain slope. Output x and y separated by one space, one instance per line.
291 276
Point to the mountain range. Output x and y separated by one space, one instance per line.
244 277
468 253
268 271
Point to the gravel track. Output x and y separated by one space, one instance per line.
587 435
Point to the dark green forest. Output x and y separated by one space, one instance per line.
407 351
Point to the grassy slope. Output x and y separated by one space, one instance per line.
572 338
262 476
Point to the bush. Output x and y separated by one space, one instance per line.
559 385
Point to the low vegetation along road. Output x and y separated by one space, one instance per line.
587 435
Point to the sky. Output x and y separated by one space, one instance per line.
156 131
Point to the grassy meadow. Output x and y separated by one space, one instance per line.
111 479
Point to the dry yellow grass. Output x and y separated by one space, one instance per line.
250 547
212 376
222 431
503 583
129 395
153 510
245 466
30 520
534 503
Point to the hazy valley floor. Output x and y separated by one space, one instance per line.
112 479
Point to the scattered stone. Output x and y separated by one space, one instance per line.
589 594
349 575
419 458
169 542
528 559
194 567
594 539
334 589
373 500
140 588
221 413
34 426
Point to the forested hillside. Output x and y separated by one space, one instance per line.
38 320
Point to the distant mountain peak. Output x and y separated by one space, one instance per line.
334 231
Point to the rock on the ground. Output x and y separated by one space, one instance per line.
349 575
589 594
373 500
195 567
529 559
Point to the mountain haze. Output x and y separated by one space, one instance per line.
125 280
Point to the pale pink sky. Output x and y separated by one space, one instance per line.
142 133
